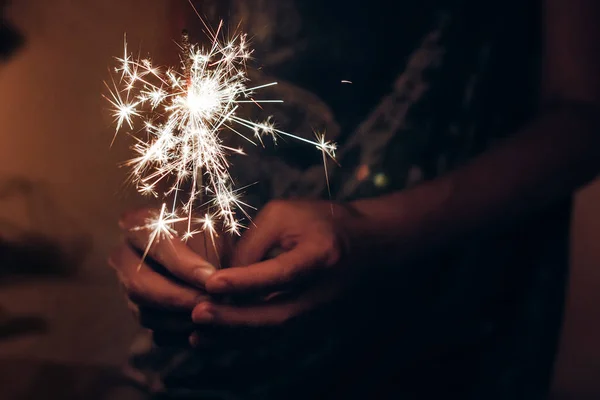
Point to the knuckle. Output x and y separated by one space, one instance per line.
135 289
289 273
327 250
175 301
327 243
331 250
274 207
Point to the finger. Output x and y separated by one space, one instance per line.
261 237
146 287
290 267
172 253
211 336
265 314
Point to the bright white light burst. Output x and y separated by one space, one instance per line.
184 115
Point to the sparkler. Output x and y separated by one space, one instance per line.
184 116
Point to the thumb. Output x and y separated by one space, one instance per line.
256 242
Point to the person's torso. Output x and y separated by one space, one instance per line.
410 90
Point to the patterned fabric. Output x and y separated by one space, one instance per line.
479 322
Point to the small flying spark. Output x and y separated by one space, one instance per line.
186 114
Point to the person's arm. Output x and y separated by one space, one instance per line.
544 162
547 160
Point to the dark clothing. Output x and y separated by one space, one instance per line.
434 84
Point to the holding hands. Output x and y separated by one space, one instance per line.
296 257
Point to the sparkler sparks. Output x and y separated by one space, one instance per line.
186 114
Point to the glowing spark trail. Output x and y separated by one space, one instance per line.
185 115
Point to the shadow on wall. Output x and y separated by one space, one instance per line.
36 236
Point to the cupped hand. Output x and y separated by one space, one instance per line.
164 287
318 257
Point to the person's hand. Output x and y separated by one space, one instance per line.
166 286
318 258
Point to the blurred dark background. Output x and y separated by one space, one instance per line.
10 38
64 327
